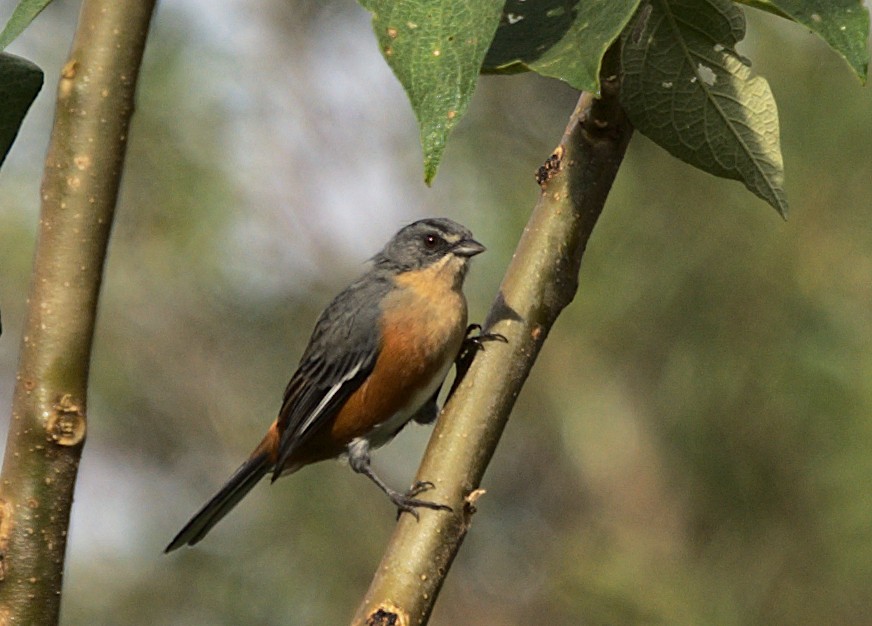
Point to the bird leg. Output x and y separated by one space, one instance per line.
358 458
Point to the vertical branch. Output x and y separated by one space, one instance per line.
541 280
79 190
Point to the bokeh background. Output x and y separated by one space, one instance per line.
694 445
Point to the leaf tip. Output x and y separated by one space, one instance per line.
781 207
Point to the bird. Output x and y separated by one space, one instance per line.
377 358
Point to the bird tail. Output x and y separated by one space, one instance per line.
240 483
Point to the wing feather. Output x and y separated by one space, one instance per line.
341 354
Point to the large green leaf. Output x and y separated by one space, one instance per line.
687 89
436 48
563 39
20 81
843 24
24 14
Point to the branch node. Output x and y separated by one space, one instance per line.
470 500
550 167
66 426
70 69
68 76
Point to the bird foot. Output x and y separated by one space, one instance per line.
476 342
468 349
408 503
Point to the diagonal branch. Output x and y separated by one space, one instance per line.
541 280
79 192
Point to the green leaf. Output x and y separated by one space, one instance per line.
20 81
435 48
24 14
563 39
843 24
686 88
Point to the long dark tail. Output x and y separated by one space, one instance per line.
242 481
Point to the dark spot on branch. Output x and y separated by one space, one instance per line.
383 618
550 167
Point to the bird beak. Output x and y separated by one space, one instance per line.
467 248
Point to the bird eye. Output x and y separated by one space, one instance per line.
431 241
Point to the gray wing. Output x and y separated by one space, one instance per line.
341 353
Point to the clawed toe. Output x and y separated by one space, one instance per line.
408 503
476 342
479 340
468 349
419 487
473 343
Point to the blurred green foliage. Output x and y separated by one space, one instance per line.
693 447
